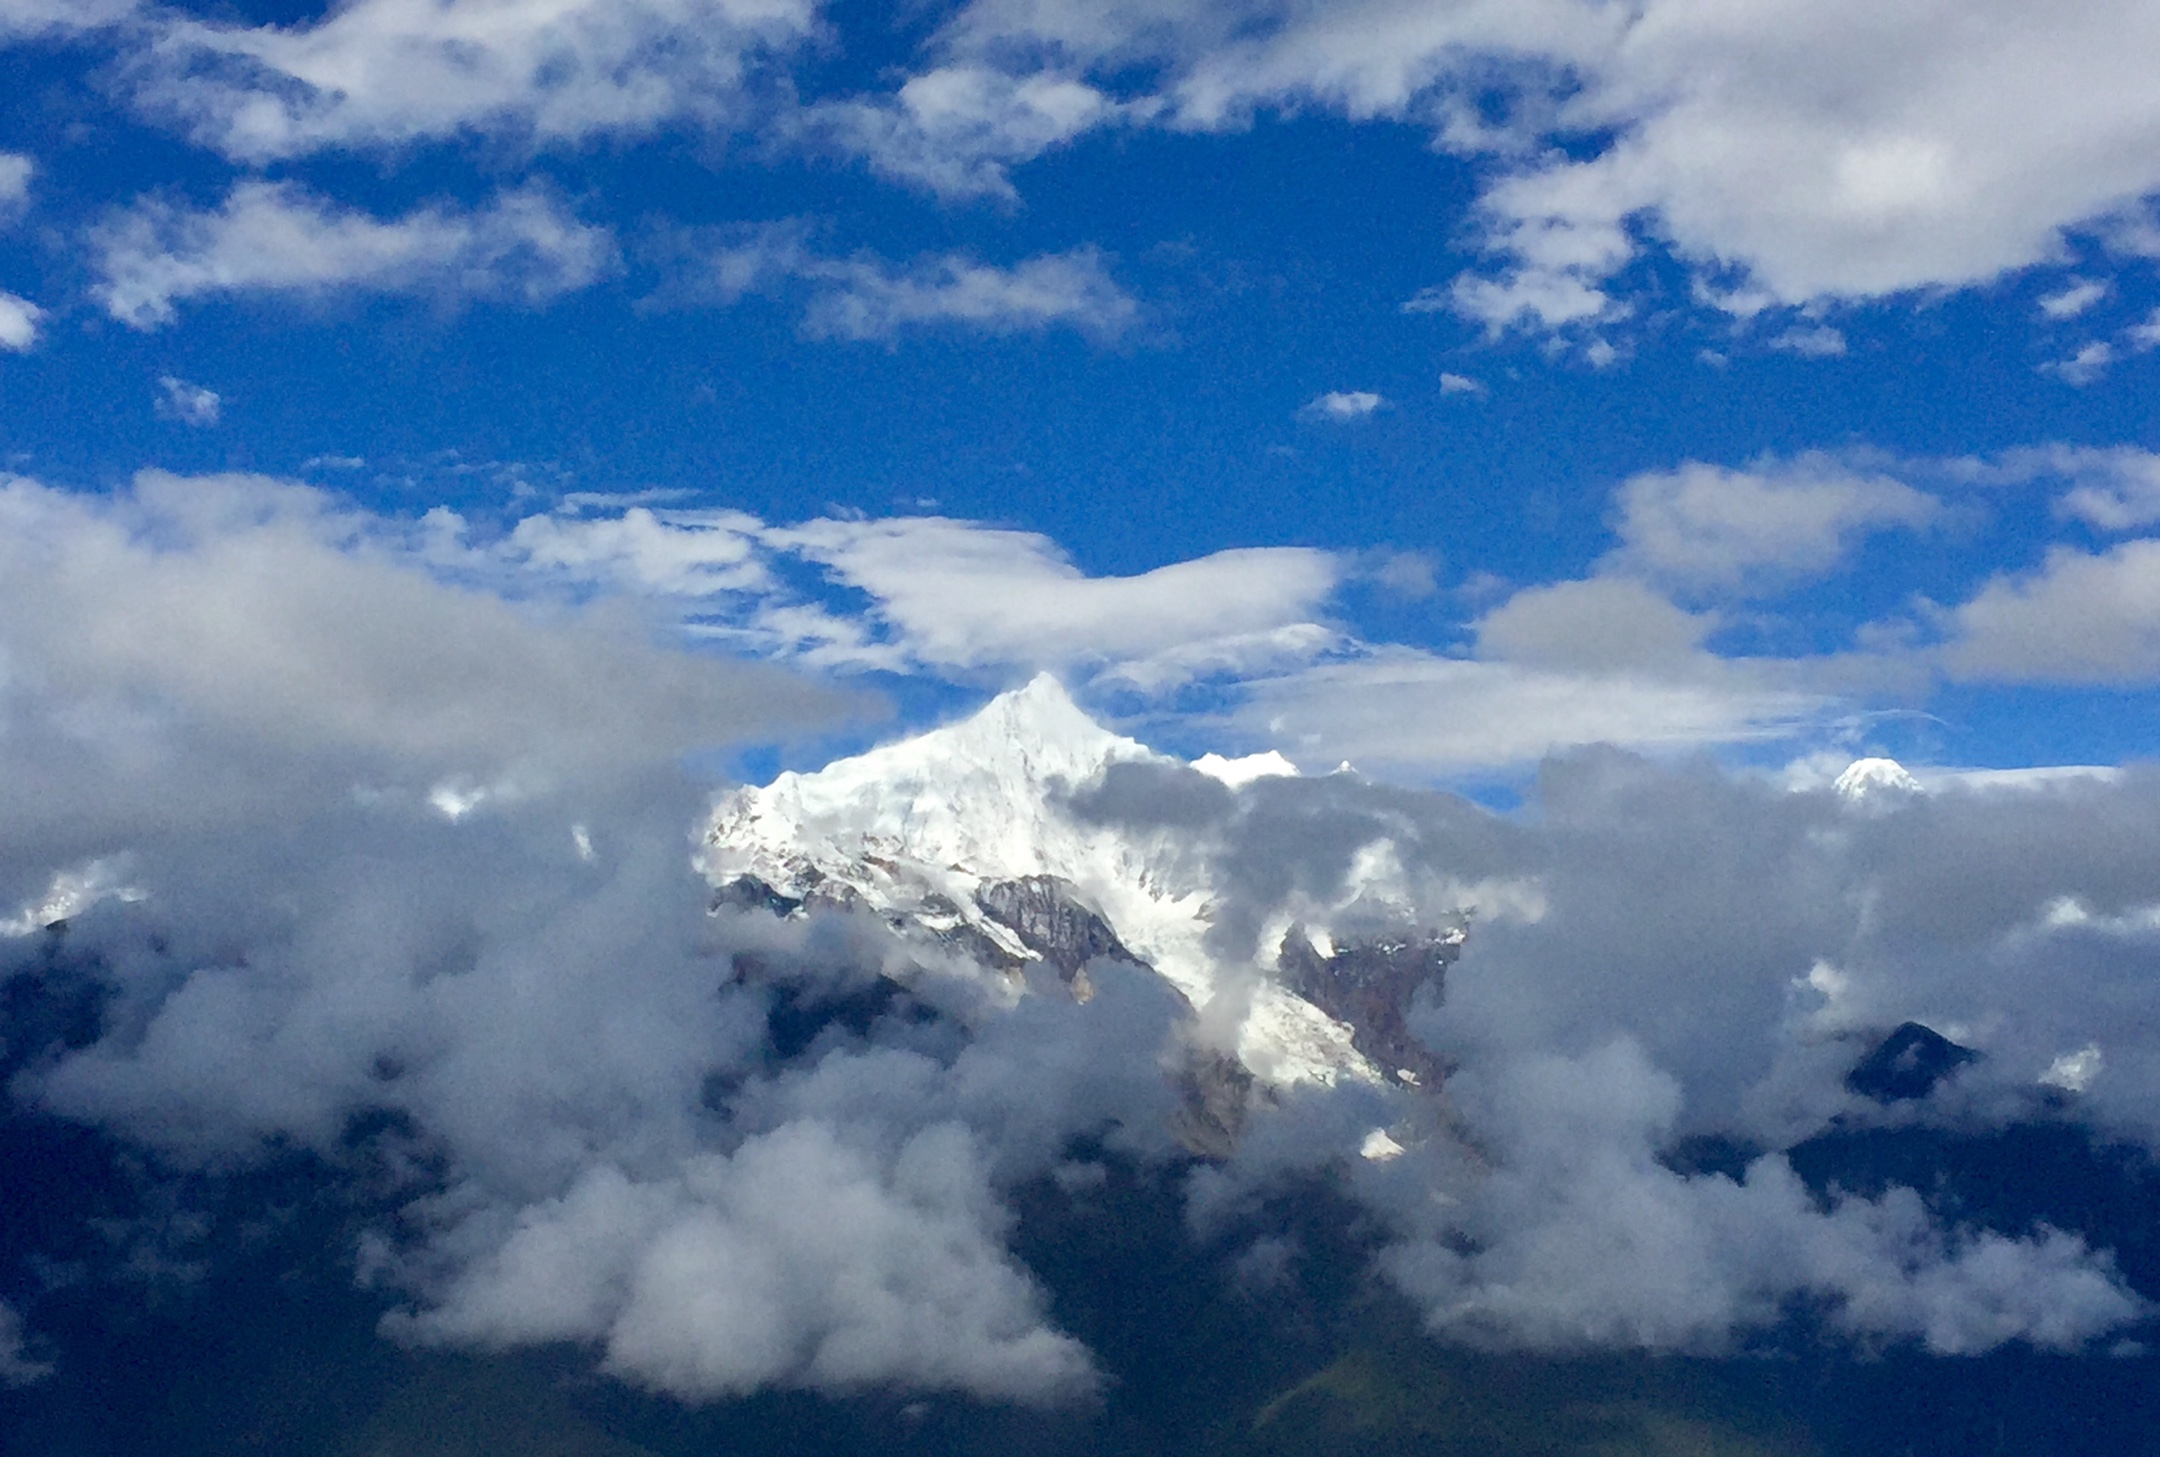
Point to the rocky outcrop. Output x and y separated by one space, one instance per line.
1051 920
1368 984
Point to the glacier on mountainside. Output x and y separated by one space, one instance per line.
966 839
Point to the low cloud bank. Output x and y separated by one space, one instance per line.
398 875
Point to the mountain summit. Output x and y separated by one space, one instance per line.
968 840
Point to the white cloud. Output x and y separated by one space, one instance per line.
19 319
1602 624
2113 488
957 129
1654 951
2126 496
383 73
190 404
1403 711
796 1261
946 596
62 17
1713 527
275 237
679 553
1460 384
241 605
16 171
866 297
1588 1241
1818 341
1823 152
2081 618
2078 295
2088 364
1343 406
955 594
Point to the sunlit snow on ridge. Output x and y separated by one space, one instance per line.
983 800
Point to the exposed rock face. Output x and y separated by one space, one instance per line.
1907 1064
1367 984
748 893
1051 920
1214 1091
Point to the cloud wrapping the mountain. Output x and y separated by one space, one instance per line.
344 841
339 840
1670 952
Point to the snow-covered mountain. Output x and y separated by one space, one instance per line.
966 838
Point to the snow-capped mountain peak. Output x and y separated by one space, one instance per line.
1875 781
976 794
967 838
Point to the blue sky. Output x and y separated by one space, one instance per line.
1431 386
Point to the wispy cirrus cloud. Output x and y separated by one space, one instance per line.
863 296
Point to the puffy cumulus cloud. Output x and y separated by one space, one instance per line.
1600 623
19 322
957 129
1666 952
276 237
1706 526
385 73
2080 618
796 1261
863 296
2115 488
262 613
598 1138
1580 1238
1904 152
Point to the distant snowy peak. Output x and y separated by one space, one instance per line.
1875 781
